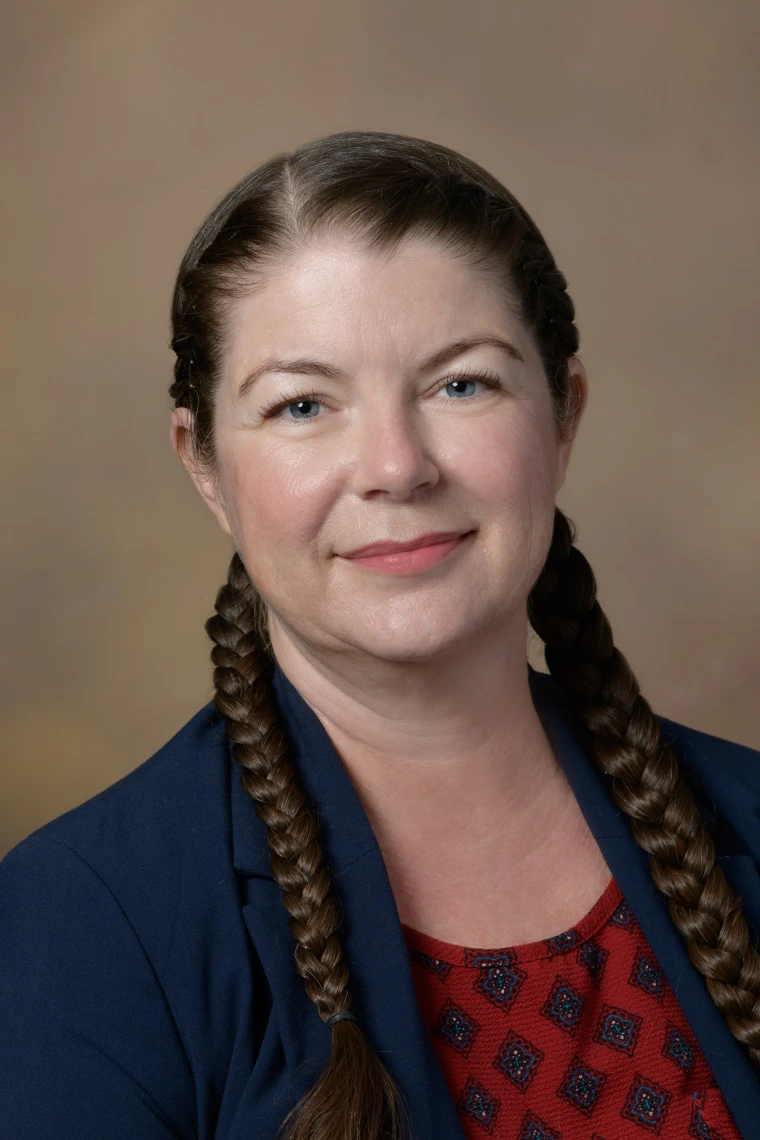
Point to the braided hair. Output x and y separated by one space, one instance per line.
381 188
647 785
355 1082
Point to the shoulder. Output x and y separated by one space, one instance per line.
158 800
713 759
156 839
103 959
122 932
724 775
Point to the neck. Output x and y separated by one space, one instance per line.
421 736
455 772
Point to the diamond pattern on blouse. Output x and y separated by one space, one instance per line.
678 1049
456 1028
518 1060
534 1129
434 965
562 1039
618 1029
594 958
499 980
581 1086
647 975
561 942
478 1104
623 916
564 1005
647 1104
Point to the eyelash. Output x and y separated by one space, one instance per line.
490 379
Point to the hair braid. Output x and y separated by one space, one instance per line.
646 782
355 1097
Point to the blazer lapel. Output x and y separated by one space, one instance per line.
384 998
630 867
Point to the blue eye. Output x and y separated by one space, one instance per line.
459 386
464 387
305 407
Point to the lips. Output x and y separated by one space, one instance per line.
379 548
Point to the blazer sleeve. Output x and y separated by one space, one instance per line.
88 1044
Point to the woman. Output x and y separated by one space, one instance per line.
512 899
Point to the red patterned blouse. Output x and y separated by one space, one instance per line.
578 1037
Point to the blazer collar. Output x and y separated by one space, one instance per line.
381 977
382 986
345 831
630 867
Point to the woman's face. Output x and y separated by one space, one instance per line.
381 399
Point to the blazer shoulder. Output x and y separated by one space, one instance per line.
132 904
167 819
709 759
725 776
714 758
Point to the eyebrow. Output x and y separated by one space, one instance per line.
304 366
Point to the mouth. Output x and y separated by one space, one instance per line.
384 548
413 557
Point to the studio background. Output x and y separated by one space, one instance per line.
628 130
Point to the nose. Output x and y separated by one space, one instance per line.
393 457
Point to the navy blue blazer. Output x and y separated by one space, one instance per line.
147 982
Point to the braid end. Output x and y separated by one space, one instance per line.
355 1097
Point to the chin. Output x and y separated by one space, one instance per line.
410 641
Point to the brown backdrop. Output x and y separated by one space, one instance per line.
627 129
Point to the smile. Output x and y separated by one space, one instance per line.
408 557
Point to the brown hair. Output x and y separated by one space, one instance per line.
382 188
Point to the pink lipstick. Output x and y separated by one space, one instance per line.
408 557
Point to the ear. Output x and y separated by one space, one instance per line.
577 400
181 435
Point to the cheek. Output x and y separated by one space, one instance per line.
276 503
512 464
512 476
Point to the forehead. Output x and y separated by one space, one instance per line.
337 297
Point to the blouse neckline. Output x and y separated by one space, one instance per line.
610 904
